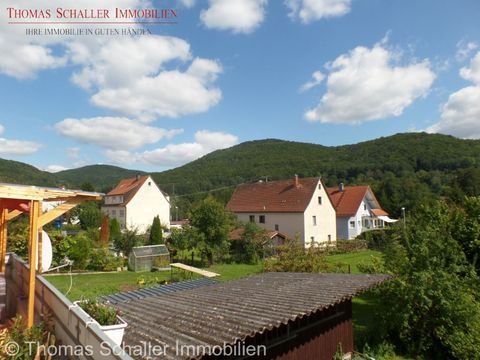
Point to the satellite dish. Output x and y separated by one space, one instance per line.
47 254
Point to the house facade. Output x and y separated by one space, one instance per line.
298 208
135 202
358 210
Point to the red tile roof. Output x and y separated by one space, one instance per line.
379 212
273 196
128 188
347 202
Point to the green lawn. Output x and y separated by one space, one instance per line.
93 285
354 258
234 271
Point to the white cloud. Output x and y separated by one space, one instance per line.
169 94
17 147
366 85
113 132
464 49
317 78
177 154
145 77
55 168
239 16
472 72
460 115
310 10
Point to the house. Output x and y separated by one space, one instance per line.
266 316
135 202
298 207
357 209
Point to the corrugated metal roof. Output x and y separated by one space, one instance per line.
156 290
225 313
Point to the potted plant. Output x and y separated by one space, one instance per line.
107 317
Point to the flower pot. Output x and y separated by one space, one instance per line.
114 332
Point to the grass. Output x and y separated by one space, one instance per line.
93 285
354 258
235 271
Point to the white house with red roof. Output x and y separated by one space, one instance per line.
358 210
298 207
135 202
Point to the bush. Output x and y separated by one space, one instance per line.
377 239
102 260
345 246
80 250
102 313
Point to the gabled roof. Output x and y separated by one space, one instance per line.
273 196
127 188
347 201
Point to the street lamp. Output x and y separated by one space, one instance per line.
176 213
404 219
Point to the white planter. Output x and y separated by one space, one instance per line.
114 332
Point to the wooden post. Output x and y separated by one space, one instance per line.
34 214
3 237
40 240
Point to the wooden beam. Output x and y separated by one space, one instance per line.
12 214
3 238
61 209
34 215
40 240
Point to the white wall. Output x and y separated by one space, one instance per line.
345 222
325 214
289 224
147 203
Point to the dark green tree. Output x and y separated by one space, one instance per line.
431 307
89 215
213 224
127 241
156 233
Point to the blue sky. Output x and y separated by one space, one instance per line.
329 72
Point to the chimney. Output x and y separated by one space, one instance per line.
137 177
341 187
296 180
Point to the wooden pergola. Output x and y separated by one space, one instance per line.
18 199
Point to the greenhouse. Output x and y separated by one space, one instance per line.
147 258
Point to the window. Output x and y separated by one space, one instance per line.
122 213
114 212
312 239
319 200
261 219
329 237
149 183
314 220
252 218
352 224
277 228
319 186
364 206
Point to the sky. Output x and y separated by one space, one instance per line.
329 72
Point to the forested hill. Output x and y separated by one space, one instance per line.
102 177
404 169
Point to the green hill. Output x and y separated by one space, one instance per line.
404 169
20 173
102 177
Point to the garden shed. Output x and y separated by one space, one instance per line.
146 258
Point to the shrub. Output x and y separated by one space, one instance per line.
102 260
102 313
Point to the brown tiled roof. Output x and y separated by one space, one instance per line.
128 188
225 313
347 202
379 212
273 196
